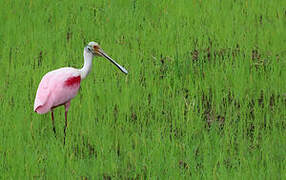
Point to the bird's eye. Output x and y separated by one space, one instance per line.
95 47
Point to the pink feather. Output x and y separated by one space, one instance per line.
56 88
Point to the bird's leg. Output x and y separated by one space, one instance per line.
66 123
53 122
67 105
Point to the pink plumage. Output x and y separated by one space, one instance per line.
57 88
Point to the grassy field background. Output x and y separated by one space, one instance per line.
205 96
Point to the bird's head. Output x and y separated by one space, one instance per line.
96 50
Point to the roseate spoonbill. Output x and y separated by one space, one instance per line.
58 87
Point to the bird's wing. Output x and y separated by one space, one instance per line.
57 87
43 92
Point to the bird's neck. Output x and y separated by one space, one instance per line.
87 64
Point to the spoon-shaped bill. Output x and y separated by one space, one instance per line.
113 62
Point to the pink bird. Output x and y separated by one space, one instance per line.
58 87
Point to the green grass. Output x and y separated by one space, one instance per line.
205 96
